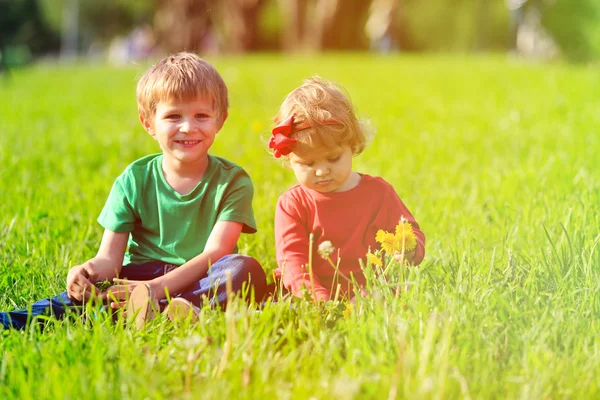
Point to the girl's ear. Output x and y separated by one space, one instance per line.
147 124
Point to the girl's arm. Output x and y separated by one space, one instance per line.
292 242
104 266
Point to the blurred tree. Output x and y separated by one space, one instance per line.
341 26
516 10
248 25
386 26
574 25
467 25
22 24
205 25
241 24
456 25
324 24
184 24
100 20
10 23
295 26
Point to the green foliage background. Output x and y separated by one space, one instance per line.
431 25
575 26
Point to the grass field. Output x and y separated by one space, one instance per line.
497 159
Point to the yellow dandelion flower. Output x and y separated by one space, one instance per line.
388 242
386 239
380 236
405 233
348 311
373 259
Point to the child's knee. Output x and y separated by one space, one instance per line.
244 265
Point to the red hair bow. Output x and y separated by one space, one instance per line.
280 140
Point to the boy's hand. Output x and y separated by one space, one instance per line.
119 293
80 283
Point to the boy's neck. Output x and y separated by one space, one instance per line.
183 177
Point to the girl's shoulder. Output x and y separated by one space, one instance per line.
294 193
374 183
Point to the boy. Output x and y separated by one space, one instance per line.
180 211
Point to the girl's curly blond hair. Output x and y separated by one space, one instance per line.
319 100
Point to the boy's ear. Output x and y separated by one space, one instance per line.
147 124
223 119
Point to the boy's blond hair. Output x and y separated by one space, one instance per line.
181 77
316 102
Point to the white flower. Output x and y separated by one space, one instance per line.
326 249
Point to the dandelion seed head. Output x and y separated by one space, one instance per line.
326 249
192 342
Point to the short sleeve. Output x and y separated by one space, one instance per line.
118 214
236 204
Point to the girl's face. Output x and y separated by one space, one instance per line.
324 170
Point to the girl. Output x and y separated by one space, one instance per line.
318 133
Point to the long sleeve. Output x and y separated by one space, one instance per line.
292 242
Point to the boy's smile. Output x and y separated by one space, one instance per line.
185 130
187 143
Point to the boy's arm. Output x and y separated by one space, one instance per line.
221 242
106 264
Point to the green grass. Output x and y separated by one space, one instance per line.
496 158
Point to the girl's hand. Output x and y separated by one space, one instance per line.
407 257
119 293
363 293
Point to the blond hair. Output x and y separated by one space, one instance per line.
181 77
318 102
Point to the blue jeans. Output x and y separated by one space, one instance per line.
243 269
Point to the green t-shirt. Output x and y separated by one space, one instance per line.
167 226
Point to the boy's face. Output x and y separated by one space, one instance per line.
184 130
324 170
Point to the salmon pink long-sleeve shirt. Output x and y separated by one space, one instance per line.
350 220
